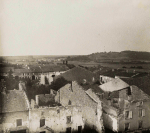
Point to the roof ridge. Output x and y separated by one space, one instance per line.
85 69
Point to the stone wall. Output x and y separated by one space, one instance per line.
134 121
8 121
74 94
55 119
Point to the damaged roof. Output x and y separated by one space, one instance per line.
114 85
138 94
13 101
141 82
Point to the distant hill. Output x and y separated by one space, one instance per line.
120 56
79 58
123 56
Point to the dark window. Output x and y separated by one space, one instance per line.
140 124
127 126
19 131
33 77
140 112
58 111
43 132
68 130
69 103
42 122
79 129
128 91
68 119
53 75
109 94
101 79
127 114
19 122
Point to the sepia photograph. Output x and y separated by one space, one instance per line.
74 66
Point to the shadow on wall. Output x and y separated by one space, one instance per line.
109 131
87 129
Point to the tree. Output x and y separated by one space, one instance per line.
10 73
58 83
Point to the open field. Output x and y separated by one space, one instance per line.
145 66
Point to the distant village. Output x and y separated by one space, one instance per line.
54 96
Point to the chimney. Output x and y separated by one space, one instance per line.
109 102
37 99
93 79
84 81
71 86
32 103
51 91
130 97
66 62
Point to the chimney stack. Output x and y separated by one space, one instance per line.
66 62
37 99
51 91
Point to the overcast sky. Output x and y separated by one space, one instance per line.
71 27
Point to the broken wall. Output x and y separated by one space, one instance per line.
55 119
8 121
75 95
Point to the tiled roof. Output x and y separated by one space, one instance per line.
95 88
114 85
78 74
119 73
43 69
93 95
22 71
13 101
138 94
142 82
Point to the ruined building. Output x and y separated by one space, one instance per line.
75 94
14 111
54 118
42 115
125 107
